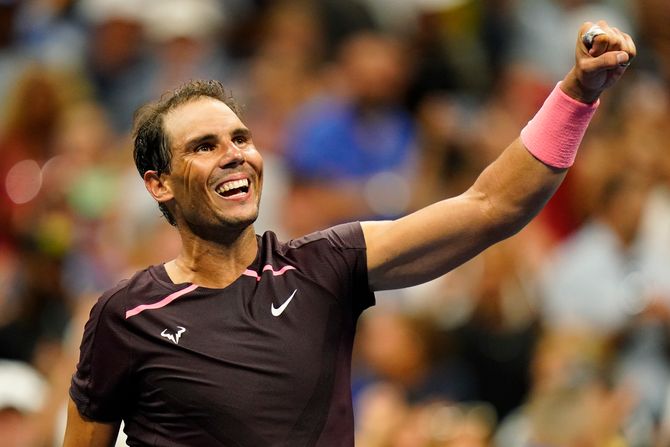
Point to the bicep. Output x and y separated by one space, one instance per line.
82 432
419 247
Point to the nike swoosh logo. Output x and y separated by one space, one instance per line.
278 311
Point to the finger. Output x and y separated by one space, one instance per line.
583 30
586 34
608 61
627 46
630 46
602 42
617 40
625 43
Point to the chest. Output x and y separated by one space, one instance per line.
258 350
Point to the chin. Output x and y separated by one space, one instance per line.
221 227
239 222
242 219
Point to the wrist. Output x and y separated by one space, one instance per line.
556 131
571 86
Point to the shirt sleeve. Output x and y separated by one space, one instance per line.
101 384
349 237
341 263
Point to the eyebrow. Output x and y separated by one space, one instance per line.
195 142
241 132
210 137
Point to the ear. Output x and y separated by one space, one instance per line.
157 186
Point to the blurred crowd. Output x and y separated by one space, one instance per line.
362 109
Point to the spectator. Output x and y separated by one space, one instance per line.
350 147
22 395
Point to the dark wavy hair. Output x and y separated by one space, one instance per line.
151 149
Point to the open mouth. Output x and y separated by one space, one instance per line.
233 188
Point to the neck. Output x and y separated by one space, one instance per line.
213 264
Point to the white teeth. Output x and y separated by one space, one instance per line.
233 184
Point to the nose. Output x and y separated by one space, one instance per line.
232 157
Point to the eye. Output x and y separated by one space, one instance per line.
240 140
204 147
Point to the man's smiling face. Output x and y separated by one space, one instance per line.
216 173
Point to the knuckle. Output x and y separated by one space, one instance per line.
582 65
612 59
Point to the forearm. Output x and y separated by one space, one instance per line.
520 182
515 187
503 199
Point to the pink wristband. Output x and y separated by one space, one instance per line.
554 134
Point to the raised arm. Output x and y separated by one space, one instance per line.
511 190
81 432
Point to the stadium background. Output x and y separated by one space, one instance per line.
362 109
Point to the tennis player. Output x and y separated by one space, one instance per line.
244 340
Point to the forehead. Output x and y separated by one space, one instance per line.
198 117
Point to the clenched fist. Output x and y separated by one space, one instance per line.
602 55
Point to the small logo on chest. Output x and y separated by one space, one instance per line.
277 311
174 338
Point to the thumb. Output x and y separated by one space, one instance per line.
608 61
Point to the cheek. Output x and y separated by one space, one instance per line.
255 159
193 176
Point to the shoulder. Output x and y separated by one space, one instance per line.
340 237
341 245
128 293
335 251
334 260
111 301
